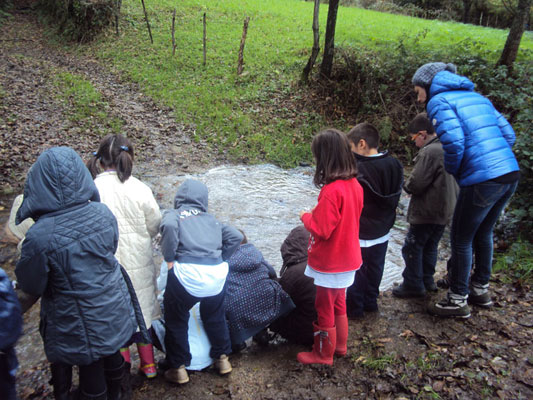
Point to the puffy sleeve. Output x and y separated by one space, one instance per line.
32 268
324 218
450 132
506 128
10 316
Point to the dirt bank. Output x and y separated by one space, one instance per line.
400 353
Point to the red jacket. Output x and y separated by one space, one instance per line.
334 227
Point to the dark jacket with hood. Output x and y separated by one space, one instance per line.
297 326
190 234
67 259
381 177
253 298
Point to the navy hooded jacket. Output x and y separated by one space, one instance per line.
68 259
476 138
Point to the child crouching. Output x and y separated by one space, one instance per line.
195 246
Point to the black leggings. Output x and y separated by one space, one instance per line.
92 376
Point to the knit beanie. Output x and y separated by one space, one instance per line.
425 74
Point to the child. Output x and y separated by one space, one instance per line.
138 217
433 195
195 246
10 330
333 251
87 307
381 177
254 298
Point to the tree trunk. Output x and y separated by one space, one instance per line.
520 18
329 45
467 4
316 44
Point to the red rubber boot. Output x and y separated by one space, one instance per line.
323 348
146 354
341 323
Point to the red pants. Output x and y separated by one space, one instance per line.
328 303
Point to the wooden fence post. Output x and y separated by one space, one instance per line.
147 23
241 48
173 29
205 40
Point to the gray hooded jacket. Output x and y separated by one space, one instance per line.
190 234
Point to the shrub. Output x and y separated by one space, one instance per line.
80 20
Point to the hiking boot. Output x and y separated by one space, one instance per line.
403 292
223 365
177 375
453 305
479 295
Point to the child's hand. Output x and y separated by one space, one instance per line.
170 265
302 213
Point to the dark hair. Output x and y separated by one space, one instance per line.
421 123
114 151
334 159
367 132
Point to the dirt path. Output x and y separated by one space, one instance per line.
400 353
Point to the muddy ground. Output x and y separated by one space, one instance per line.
402 352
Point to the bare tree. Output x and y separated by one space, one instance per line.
520 15
329 45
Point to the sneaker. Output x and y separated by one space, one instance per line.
404 292
177 375
453 305
223 365
479 295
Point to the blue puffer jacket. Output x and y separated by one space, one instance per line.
10 327
476 138
67 258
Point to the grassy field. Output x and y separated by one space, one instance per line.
253 117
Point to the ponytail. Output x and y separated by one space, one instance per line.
116 152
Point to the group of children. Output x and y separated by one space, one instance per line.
89 253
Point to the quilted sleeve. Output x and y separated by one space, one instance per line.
32 268
506 128
10 317
152 214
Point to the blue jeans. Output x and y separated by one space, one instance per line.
364 292
177 303
477 210
420 255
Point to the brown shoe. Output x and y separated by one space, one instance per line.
177 375
223 365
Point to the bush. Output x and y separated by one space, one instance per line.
80 20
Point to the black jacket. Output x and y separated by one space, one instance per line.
381 177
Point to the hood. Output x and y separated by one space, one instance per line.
246 258
294 248
191 194
58 180
446 81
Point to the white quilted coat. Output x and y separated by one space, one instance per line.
138 217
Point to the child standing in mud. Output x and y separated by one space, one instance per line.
333 251
138 217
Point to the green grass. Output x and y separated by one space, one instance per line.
253 117
85 103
